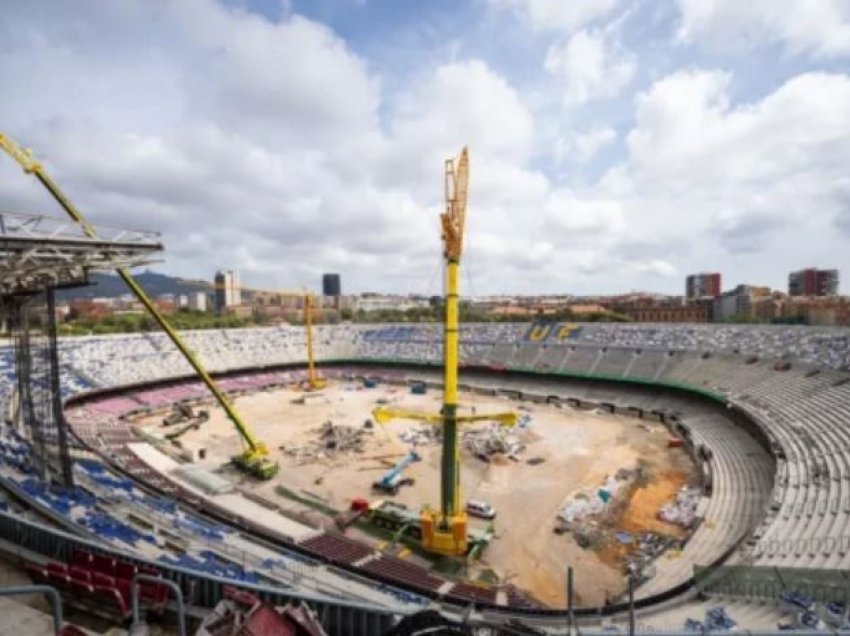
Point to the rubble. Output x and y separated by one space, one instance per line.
420 436
584 504
331 440
492 440
683 510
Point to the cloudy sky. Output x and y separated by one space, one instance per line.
615 144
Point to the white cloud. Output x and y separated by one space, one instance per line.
558 15
463 103
817 27
275 148
590 65
582 147
762 182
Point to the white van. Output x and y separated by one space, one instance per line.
477 508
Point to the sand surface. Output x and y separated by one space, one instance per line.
580 448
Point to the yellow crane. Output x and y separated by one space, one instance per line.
254 458
314 381
445 530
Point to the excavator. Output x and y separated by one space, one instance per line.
445 530
314 382
254 458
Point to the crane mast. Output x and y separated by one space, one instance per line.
444 530
254 459
451 524
315 382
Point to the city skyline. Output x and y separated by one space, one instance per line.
616 146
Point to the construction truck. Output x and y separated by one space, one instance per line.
394 478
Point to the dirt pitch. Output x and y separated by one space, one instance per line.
580 450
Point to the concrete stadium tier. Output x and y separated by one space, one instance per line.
766 406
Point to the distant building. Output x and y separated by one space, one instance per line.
813 282
197 301
703 285
739 302
331 285
166 303
809 310
378 302
669 309
228 292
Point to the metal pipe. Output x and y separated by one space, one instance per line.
570 615
47 590
58 413
631 604
178 595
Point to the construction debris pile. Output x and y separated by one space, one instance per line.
584 504
683 510
488 441
332 440
421 435
241 613
648 546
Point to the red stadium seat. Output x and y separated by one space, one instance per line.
124 586
37 573
82 589
57 566
112 600
156 596
80 574
82 559
59 580
105 580
125 570
104 564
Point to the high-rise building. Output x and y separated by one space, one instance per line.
331 285
228 292
813 282
703 285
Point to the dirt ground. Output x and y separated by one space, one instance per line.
580 448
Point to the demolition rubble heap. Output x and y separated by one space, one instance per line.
332 440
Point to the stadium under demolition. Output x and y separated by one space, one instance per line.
400 479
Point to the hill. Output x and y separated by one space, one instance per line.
155 284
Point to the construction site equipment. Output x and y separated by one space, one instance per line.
184 413
445 531
192 423
386 414
254 459
394 478
359 507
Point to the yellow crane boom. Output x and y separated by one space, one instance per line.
254 458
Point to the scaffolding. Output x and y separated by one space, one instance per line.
39 255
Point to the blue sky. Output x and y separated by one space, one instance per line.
615 145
